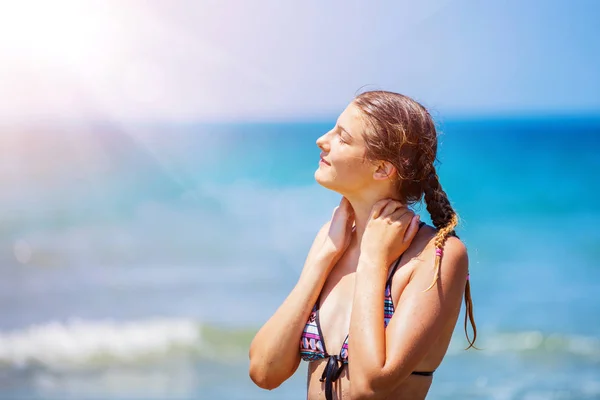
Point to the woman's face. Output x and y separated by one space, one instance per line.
343 167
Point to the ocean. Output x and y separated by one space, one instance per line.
138 260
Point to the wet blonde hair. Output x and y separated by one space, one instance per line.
404 134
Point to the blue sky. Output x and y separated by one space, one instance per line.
259 60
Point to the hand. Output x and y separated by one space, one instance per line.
340 228
390 230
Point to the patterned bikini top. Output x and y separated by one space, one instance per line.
312 345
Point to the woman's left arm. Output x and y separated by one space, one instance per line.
382 358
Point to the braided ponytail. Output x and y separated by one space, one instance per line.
445 219
404 134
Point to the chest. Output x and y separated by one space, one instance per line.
335 302
335 308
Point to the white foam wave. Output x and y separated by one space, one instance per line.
79 343
533 342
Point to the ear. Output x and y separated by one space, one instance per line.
384 170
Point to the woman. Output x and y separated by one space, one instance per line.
380 293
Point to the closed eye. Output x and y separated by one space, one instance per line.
343 135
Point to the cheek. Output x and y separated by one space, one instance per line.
351 165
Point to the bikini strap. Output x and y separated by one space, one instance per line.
393 271
395 267
391 274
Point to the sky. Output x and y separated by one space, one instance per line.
195 60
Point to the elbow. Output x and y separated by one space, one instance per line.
262 379
363 393
258 371
367 389
268 371
260 375
362 390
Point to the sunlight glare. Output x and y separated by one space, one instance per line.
51 32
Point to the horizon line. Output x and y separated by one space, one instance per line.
439 117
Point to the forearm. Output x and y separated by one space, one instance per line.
366 323
274 352
367 331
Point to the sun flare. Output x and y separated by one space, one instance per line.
51 32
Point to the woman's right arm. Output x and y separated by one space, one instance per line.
275 352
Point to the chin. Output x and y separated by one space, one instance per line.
321 177
326 181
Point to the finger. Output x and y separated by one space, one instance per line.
391 207
350 222
334 210
378 207
347 207
344 207
402 217
412 230
344 202
400 213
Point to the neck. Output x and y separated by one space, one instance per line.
362 207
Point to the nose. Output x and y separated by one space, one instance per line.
323 143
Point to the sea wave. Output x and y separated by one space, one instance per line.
83 344
532 343
78 343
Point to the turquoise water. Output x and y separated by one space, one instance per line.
138 261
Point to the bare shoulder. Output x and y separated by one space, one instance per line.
455 260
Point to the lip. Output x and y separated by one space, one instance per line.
323 161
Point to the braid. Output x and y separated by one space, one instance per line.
445 219
438 206
403 133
